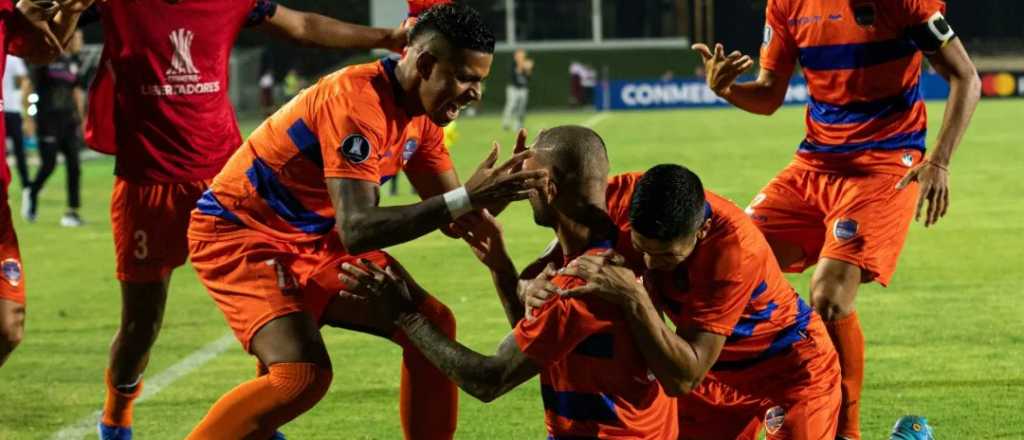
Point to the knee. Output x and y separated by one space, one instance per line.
831 306
439 314
300 383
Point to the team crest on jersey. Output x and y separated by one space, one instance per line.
355 148
768 31
864 13
12 271
845 229
182 69
773 419
410 149
908 160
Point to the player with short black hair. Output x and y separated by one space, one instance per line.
302 196
860 175
668 203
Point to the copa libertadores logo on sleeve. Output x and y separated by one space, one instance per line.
355 148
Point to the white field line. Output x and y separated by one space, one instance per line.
596 119
155 384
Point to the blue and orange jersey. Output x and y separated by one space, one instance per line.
730 285
594 380
865 109
349 125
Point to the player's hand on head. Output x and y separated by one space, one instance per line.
934 190
493 186
607 277
534 293
722 70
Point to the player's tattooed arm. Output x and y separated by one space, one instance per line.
364 226
679 361
483 377
487 241
312 29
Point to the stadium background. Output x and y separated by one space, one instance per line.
943 341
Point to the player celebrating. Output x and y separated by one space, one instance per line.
167 91
846 200
300 198
746 345
38 33
594 381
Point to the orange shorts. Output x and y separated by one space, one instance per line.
12 287
859 219
793 396
150 223
255 281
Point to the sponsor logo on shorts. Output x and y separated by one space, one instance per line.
773 419
12 271
845 229
285 280
410 149
355 148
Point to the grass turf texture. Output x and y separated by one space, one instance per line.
944 341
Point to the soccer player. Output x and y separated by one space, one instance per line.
301 197
594 381
746 346
38 33
846 201
165 110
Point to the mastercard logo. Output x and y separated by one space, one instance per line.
998 84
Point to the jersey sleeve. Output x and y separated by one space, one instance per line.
261 11
349 140
557 327
431 156
915 12
716 303
778 47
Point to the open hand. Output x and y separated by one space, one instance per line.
534 293
493 187
607 277
722 70
934 181
486 240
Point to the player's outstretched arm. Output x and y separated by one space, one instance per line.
679 361
483 377
364 226
312 29
762 96
950 59
487 241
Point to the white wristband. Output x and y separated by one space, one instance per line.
457 201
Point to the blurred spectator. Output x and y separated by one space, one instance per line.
583 79
668 75
517 93
293 84
58 120
17 87
267 92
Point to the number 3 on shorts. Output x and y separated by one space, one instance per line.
141 250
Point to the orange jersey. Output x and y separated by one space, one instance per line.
865 110
349 125
730 285
595 382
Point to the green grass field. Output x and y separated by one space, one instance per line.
944 341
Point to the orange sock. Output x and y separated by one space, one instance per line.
255 409
429 403
118 406
849 341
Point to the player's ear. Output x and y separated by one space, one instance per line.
704 229
425 63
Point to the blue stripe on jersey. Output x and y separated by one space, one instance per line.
782 342
599 345
306 141
745 327
860 112
209 205
761 288
914 140
283 202
385 179
579 406
854 56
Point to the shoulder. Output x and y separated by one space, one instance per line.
619 194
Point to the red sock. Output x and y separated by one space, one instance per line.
849 341
118 406
255 409
429 400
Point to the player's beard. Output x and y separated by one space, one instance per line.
543 213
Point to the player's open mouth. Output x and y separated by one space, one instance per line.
452 111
